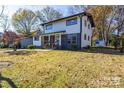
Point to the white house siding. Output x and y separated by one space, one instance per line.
37 43
61 26
57 26
86 31
73 29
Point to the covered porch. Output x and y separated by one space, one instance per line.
52 40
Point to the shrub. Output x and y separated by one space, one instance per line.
30 47
1 45
74 46
14 47
46 46
87 47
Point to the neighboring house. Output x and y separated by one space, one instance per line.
100 43
70 32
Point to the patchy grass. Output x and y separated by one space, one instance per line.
59 68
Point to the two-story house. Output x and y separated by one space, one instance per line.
70 32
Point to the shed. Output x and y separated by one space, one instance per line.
26 41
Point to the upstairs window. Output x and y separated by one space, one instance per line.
120 10
88 38
85 36
85 23
74 40
88 26
71 22
49 26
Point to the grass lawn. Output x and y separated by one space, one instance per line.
60 68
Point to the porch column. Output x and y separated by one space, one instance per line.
59 39
49 39
42 40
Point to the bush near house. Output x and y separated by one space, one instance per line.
74 46
30 46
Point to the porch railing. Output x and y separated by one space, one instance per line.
51 45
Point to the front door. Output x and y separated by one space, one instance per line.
46 38
64 42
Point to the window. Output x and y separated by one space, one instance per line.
120 9
69 41
88 38
88 26
85 36
74 40
85 23
71 22
36 38
57 40
48 27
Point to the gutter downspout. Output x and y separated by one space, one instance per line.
80 29
42 38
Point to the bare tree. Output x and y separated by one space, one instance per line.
4 22
48 14
24 21
1 11
78 9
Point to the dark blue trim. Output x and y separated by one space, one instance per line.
80 29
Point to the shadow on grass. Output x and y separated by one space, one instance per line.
103 50
8 80
20 52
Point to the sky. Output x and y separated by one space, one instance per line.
11 9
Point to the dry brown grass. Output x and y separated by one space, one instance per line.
59 68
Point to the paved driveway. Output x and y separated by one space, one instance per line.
26 49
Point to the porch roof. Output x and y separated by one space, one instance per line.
54 32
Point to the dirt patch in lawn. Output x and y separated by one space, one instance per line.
4 64
20 52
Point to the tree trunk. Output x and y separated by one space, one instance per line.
122 47
0 80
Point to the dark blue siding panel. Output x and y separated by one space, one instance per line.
64 42
78 41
